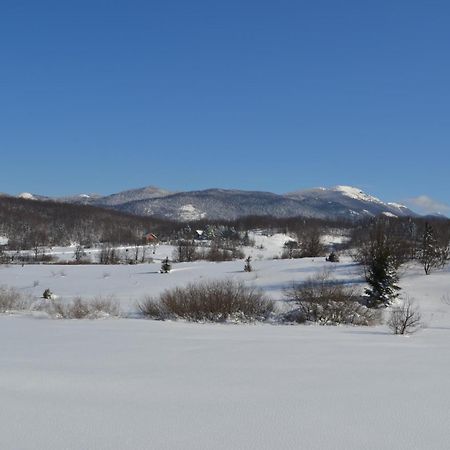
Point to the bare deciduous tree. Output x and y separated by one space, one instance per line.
79 253
311 243
186 251
405 319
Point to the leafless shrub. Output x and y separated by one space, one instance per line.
4 257
221 250
30 259
154 309
325 301
218 254
213 301
186 251
80 308
446 298
108 255
106 305
405 318
11 300
291 249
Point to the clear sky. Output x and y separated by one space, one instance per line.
101 96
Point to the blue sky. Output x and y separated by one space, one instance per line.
101 96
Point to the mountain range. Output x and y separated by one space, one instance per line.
336 202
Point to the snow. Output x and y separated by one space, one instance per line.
267 247
356 193
138 384
4 240
334 239
130 283
190 212
397 205
26 195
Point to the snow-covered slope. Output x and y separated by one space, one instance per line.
148 192
145 193
348 200
337 202
356 194
84 199
27 196
30 196
220 204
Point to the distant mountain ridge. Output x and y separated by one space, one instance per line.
228 204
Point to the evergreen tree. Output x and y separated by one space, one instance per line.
246 239
379 256
166 266
332 257
382 277
431 254
248 266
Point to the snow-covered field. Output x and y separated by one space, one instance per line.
141 384
131 283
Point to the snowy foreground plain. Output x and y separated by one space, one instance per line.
142 384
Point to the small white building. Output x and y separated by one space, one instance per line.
199 234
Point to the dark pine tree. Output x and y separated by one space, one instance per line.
166 266
382 277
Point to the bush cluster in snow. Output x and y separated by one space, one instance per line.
212 301
325 301
11 300
79 308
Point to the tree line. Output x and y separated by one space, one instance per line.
30 224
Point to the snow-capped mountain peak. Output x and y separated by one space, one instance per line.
397 205
27 196
356 193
